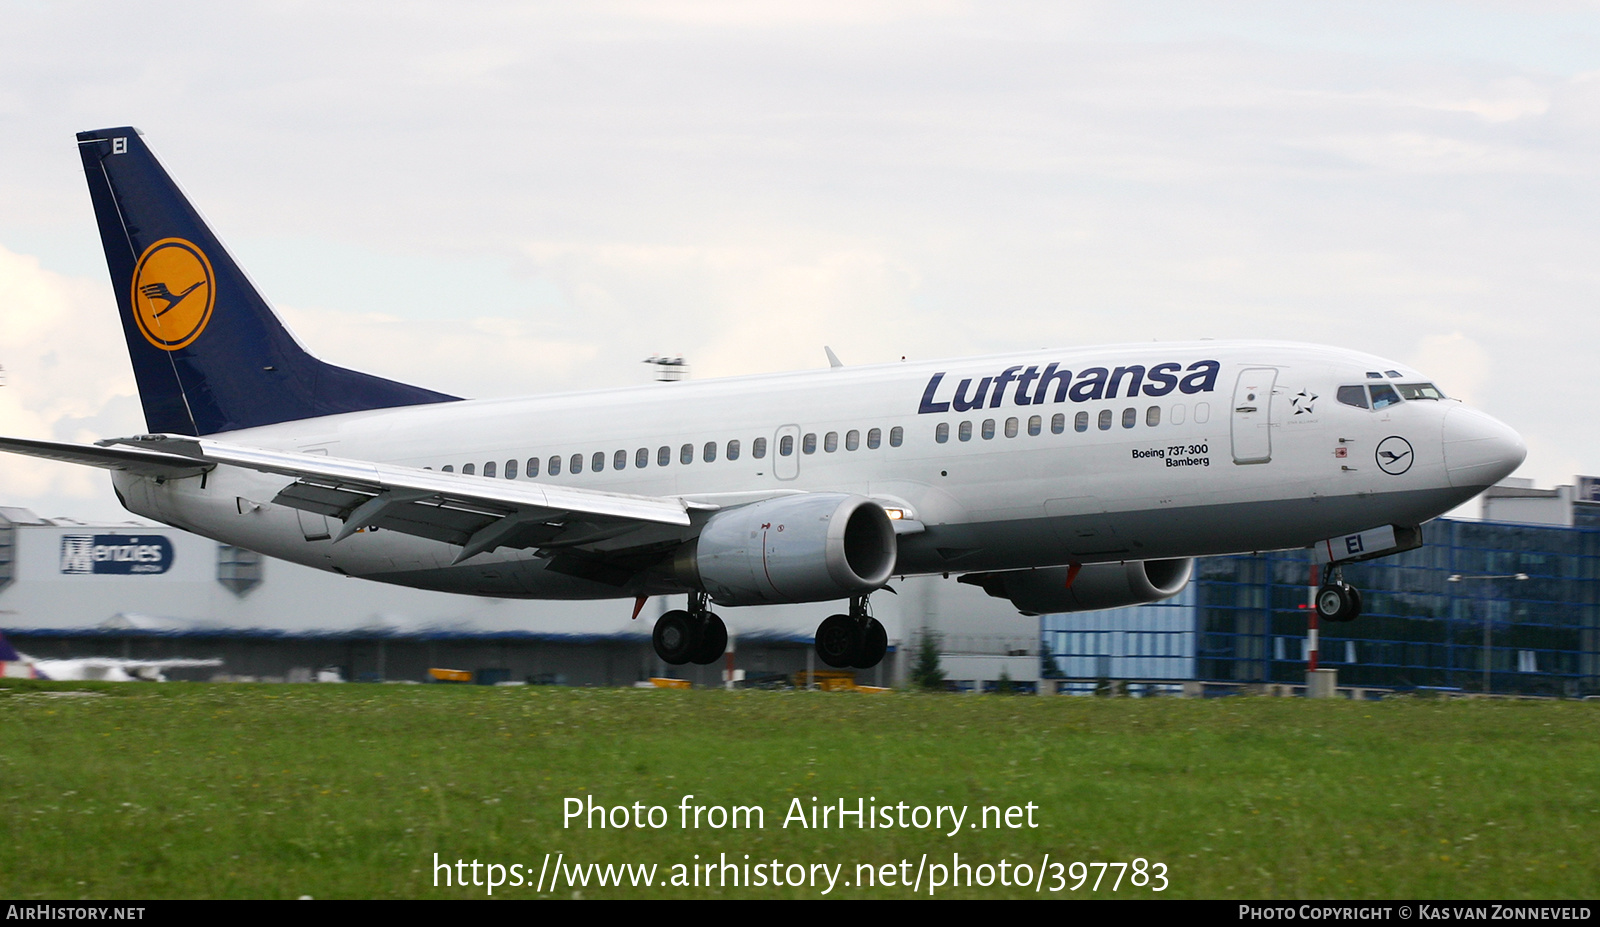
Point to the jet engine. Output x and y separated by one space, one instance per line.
1097 585
802 548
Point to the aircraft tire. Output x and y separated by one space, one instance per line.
1355 603
676 636
874 644
1335 602
713 641
838 640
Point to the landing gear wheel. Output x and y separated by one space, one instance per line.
838 641
713 641
1338 601
874 644
676 637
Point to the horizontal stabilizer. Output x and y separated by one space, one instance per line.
132 459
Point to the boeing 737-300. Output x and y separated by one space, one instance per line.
1061 480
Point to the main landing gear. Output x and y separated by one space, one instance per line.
855 640
1337 600
693 636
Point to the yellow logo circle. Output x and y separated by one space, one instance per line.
174 292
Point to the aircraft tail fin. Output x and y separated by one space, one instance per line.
208 352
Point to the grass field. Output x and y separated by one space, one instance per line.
245 791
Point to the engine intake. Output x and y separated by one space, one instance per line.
1097 585
804 548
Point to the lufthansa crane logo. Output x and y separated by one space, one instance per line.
1394 455
174 292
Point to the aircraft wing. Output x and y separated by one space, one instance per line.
477 513
132 459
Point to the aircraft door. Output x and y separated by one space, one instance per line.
1252 415
786 453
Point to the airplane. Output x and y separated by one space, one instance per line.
1061 480
105 669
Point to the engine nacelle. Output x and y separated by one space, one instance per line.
1097 585
803 548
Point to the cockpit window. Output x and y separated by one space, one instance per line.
1353 396
1420 391
1383 395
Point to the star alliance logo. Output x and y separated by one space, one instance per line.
1301 402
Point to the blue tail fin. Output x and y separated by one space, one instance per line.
8 653
208 352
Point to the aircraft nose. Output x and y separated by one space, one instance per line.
1479 450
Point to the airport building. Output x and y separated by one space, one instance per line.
1512 602
1518 595
150 592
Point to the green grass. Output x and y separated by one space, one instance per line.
244 791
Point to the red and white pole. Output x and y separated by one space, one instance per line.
1311 629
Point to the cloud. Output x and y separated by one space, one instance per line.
67 377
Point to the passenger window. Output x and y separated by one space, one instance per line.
758 448
1080 422
1383 395
686 454
830 442
874 438
469 469
598 461
733 449
1130 417
619 460
1105 419
1011 428
897 436
555 466
533 467
808 444
448 468
709 452
965 432
663 456
1152 416
1202 413
575 465
1035 425
942 433
1177 413
988 429
852 440
786 446
489 469
641 458
511 469
1353 396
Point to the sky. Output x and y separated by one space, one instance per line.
498 199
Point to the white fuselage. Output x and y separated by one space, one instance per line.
1255 452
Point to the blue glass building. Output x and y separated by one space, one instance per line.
1425 613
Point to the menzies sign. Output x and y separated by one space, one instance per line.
115 553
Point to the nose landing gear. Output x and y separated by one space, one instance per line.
855 640
1337 600
693 636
